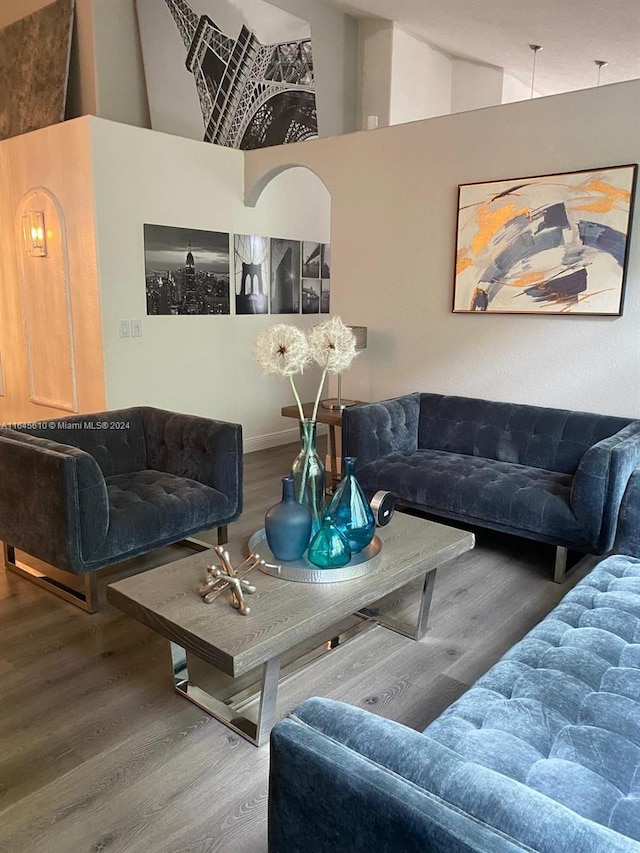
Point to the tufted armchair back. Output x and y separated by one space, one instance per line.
552 439
115 439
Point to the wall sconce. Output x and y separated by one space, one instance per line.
337 403
34 234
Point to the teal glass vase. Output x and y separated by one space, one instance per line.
351 510
329 549
309 474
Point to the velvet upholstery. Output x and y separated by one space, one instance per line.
553 475
541 753
109 486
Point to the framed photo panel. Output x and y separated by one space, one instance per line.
186 270
556 244
251 273
285 276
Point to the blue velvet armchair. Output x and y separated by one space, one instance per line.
84 492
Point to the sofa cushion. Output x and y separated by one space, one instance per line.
154 508
485 491
560 712
553 439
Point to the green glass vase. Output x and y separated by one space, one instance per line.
309 474
329 549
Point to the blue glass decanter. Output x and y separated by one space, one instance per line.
329 549
287 525
351 510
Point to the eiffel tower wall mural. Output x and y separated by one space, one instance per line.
234 72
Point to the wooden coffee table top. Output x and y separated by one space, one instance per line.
283 613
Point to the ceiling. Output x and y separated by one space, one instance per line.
573 34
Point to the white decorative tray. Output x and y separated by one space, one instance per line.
305 572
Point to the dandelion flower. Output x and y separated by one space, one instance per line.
332 345
282 349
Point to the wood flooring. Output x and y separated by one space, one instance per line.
98 753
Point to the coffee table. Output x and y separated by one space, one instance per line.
285 619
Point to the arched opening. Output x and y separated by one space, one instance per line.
46 301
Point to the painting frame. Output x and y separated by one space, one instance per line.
554 244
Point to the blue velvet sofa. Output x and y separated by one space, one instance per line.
541 754
553 475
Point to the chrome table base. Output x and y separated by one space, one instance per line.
238 712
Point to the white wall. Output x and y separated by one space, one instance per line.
515 90
394 203
475 86
198 364
420 79
375 52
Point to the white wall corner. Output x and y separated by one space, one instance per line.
420 79
375 44
475 86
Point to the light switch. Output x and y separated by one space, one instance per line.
124 329
136 328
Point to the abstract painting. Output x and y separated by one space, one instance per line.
251 273
556 244
34 69
186 270
233 72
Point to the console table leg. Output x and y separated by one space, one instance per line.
256 731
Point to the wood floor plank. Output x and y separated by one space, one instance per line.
98 753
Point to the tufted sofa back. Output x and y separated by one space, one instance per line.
559 714
115 439
553 439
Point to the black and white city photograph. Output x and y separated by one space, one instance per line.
311 253
325 296
285 276
198 87
186 270
325 269
310 295
251 273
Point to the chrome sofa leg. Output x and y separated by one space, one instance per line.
86 598
561 564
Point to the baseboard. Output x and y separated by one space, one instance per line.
275 439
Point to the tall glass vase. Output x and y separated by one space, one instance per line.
309 475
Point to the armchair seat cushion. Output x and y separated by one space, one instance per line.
146 508
503 495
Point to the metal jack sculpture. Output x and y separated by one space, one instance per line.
224 576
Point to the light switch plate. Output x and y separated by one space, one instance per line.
136 328
124 328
